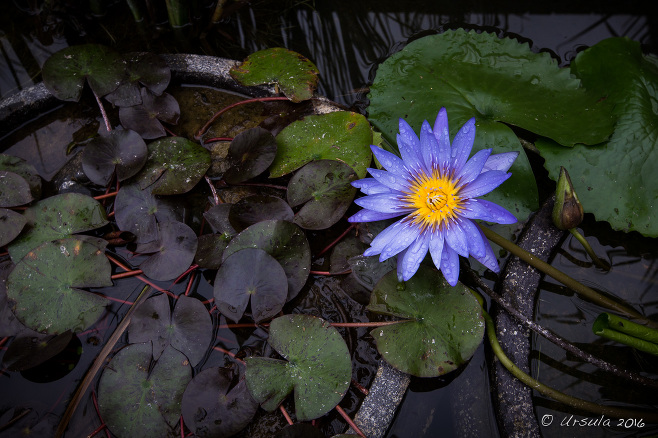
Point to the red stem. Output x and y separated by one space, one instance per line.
349 421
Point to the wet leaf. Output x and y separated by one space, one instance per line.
341 135
121 151
11 224
143 68
137 398
445 328
317 366
21 167
258 208
26 352
45 285
174 166
57 217
324 187
9 324
217 217
214 406
65 72
251 152
173 251
369 270
296 76
253 275
145 119
348 247
210 249
14 190
282 240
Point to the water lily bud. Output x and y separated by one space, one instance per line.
567 211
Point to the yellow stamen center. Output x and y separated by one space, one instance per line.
434 200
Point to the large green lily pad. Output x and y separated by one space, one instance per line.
57 217
341 135
138 398
445 324
45 285
122 151
317 367
296 76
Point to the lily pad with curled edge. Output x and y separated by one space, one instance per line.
324 187
57 217
137 397
295 75
139 211
317 367
123 151
215 405
188 329
143 68
145 119
27 171
284 241
445 324
46 285
173 251
253 275
250 153
65 72
257 208
14 190
11 224
174 166
341 135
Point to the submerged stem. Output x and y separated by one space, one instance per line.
589 249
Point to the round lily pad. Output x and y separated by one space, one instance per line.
209 250
143 68
28 351
445 324
317 367
251 152
120 150
27 171
324 187
11 224
173 251
217 217
14 190
145 119
45 285
257 208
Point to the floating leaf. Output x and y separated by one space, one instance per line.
14 190
296 76
188 329
341 135
174 166
445 328
137 398
282 240
251 152
210 249
46 284
318 367
250 274
25 170
217 217
121 151
26 352
173 251
145 118
369 270
257 208
324 187
65 72
57 217
214 406
344 250
146 68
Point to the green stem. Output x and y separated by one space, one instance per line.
589 249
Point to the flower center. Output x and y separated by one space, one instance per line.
434 200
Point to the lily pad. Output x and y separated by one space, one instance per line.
318 367
28 351
57 217
27 171
173 251
209 250
145 119
445 324
324 187
217 217
284 241
174 166
121 151
251 152
65 72
146 68
14 190
341 135
45 285
253 275
257 208
296 76
188 329
139 398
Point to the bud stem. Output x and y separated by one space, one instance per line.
597 261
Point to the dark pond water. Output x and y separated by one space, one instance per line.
346 40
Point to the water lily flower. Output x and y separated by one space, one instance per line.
434 186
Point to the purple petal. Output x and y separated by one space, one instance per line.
489 258
473 167
383 203
366 215
456 239
483 184
383 238
500 161
409 146
498 214
462 144
390 179
442 134
436 248
450 265
473 238
429 147
405 236
370 186
409 260
390 161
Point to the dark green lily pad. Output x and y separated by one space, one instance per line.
616 181
445 328
257 208
173 251
318 367
45 285
139 398
369 270
121 151
188 329
348 247
341 135
65 72
324 187
210 249
251 152
214 405
253 275
14 190
27 171
174 166
139 212
284 241
296 76
28 351
57 217
217 217
146 68
145 119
